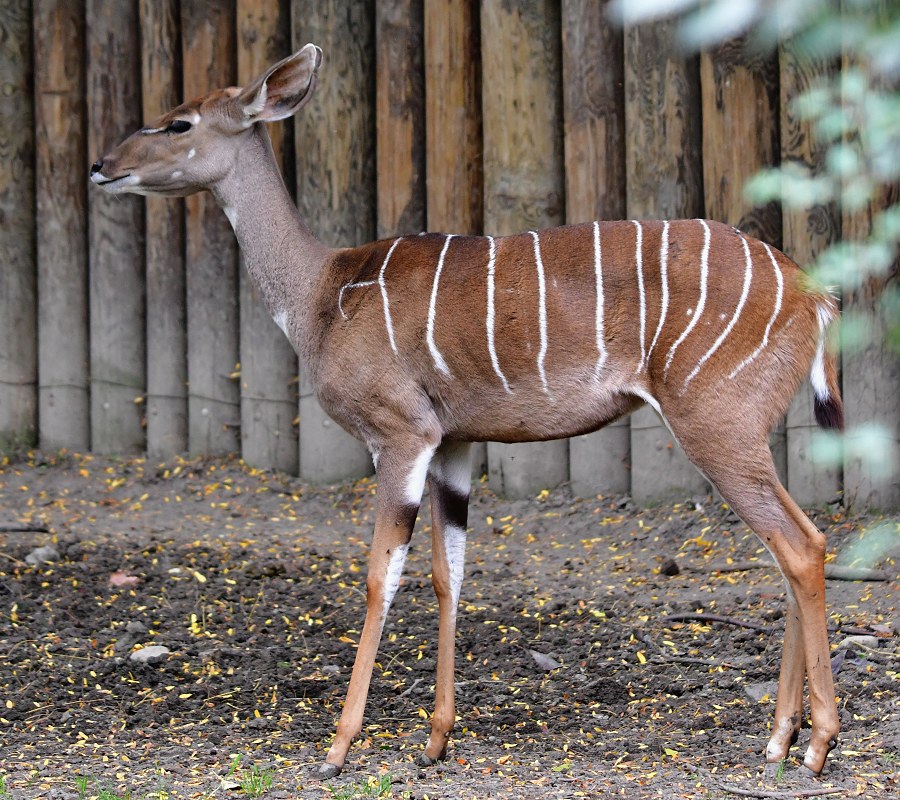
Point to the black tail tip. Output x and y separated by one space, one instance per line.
829 413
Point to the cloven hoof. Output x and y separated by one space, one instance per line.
326 771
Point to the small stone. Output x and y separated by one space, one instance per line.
545 662
41 555
669 567
757 691
136 627
150 655
870 642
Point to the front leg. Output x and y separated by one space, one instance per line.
401 474
449 483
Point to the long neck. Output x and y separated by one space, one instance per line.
281 253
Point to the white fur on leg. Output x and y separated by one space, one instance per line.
455 550
392 576
415 483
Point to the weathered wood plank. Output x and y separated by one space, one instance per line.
208 47
335 146
523 177
664 175
400 116
806 234
61 178
594 108
115 235
161 87
268 363
453 152
18 280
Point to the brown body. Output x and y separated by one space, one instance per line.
422 344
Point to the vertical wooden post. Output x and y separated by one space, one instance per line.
400 116
663 165
335 141
161 86
523 177
453 128
268 363
594 105
740 137
18 283
208 47
115 236
61 171
806 234
871 371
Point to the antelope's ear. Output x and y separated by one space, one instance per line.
282 90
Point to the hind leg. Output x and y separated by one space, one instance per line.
740 465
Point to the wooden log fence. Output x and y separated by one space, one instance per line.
129 325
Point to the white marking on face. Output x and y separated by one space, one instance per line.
489 319
452 466
392 575
191 153
642 300
748 276
663 272
432 311
455 551
775 312
177 174
598 309
149 131
542 311
415 481
231 213
195 118
281 321
704 268
384 296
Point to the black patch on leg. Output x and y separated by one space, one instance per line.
454 506
406 517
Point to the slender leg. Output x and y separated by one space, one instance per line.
401 481
789 706
449 485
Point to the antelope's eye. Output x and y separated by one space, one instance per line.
179 126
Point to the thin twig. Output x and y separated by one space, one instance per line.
24 529
833 572
409 688
726 787
718 618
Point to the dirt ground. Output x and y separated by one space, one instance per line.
255 583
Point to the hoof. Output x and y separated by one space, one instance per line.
425 760
806 772
326 771
773 770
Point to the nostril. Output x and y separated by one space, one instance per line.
96 167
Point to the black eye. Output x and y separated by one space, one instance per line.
179 126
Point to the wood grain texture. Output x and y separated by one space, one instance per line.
61 214
594 111
400 116
208 46
335 147
453 116
115 236
268 363
664 179
18 281
806 234
161 86
523 176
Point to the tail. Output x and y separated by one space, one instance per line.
828 406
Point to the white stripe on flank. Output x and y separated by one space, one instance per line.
704 268
775 312
350 286
489 321
663 271
639 261
384 297
598 316
748 276
432 310
542 311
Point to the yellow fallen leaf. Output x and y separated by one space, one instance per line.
641 657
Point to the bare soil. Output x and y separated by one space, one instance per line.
256 583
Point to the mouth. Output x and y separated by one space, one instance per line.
121 183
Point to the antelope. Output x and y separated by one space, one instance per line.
419 345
